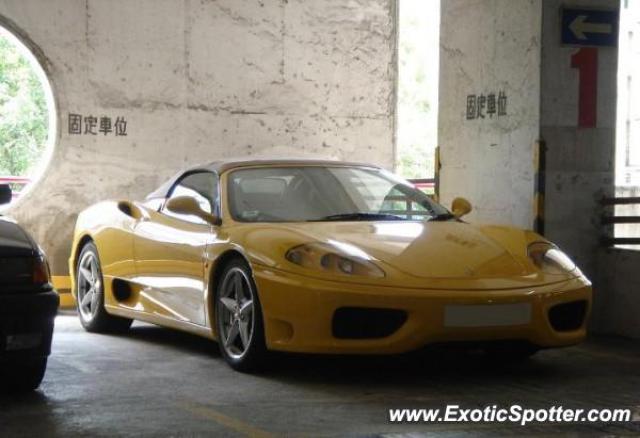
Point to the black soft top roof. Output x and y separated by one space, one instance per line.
224 165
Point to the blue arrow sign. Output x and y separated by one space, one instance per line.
590 27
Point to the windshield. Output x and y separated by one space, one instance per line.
316 193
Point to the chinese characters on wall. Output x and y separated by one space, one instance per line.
481 106
92 125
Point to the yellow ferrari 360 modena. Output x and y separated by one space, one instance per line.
322 257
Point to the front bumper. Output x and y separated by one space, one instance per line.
26 325
299 311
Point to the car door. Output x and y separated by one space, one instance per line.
169 251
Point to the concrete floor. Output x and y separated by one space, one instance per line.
159 382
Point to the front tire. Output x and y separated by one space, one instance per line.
90 295
239 321
23 376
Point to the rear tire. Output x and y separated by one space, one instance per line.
239 321
90 295
23 376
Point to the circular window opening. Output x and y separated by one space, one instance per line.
27 117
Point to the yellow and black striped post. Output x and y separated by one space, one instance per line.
62 284
436 176
540 165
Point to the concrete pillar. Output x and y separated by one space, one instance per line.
580 170
580 160
490 53
515 46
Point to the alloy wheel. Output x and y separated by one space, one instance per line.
235 312
89 286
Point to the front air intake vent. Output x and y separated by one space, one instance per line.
121 289
568 316
366 323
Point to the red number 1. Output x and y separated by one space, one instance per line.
586 61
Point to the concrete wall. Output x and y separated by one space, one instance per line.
618 284
490 46
200 80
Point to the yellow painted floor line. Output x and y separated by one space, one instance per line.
224 420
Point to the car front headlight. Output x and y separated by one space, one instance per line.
550 259
337 258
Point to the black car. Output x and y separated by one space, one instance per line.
28 306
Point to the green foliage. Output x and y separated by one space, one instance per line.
23 112
417 87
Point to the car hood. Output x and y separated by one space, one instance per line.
449 254
14 241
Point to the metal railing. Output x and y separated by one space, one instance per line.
425 184
613 219
405 206
17 183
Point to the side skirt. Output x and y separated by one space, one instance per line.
163 321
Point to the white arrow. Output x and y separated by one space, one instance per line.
579 27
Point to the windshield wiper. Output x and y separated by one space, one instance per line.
442 217
359 217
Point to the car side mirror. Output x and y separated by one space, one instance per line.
460 207
5 194
189 206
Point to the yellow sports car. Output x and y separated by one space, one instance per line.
320 256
